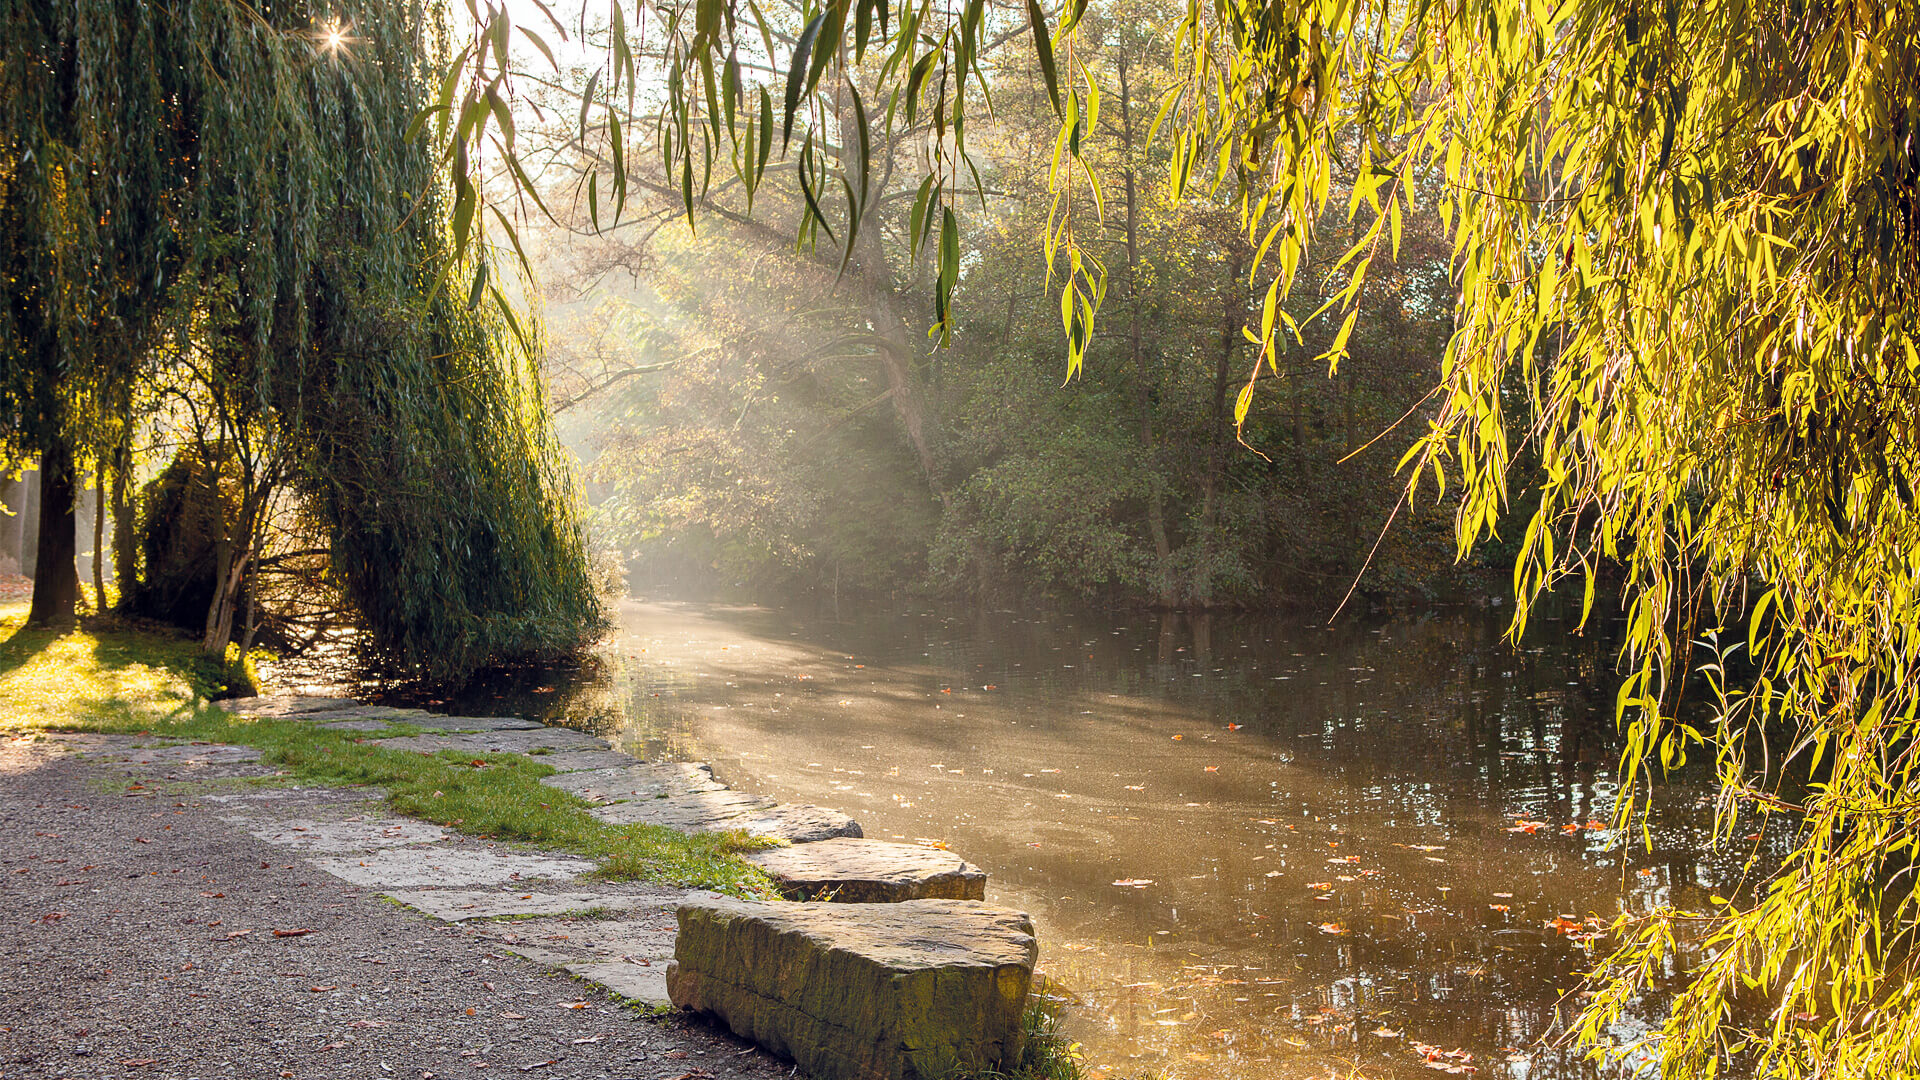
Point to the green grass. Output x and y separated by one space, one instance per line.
118 679
1046 1055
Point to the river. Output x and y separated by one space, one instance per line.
1254 847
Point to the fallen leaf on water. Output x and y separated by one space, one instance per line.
303 932
1500 907
1319 886
1177 738
1134 883
1569 828
1386 1033
1143 787
1565 924
1235 727
1273 873
1213 768
1526 826
1332 928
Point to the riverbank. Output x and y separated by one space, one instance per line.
321 777
124 680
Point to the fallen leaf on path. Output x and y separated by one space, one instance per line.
231 934
138 1063
571 1004
368 1024
536 1065
588 1039
324 989
302 932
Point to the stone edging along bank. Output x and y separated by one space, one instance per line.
825 858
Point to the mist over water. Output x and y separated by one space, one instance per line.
1254 847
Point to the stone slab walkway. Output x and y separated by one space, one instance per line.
169 918
510 903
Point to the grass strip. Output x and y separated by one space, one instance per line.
117 679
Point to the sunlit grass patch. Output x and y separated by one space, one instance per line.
132 681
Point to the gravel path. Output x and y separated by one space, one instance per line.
145 934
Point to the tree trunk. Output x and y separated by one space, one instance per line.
1233 314
1142 382
124 543
99 534
56 583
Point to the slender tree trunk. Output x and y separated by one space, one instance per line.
99 534
1142 381
124 543
1233 313
56 583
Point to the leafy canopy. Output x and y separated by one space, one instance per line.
1685 263
240 182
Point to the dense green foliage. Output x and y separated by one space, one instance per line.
1683 248
233 192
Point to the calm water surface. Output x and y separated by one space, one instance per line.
1254 847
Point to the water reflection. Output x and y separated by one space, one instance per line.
1254 848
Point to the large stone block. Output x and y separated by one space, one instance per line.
909 991
870 872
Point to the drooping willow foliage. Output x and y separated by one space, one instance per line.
242 181
1687 268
